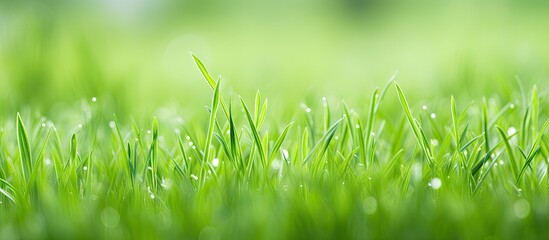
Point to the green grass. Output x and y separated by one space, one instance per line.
443 171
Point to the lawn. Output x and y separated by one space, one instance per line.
111 129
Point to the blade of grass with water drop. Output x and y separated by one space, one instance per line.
279 141
510 153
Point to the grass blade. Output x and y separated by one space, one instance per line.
255 134
23 145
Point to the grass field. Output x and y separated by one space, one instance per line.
444 170
355 119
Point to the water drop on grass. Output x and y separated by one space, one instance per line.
521 208
110 217
94 99
424 107
433 115
285 154
276 164
112 124
435 183
194 177
166 183
511 131
369 205
215 162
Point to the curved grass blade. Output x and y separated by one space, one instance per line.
4 191
534 150
210 81
326 139
508 148
415 127
279 141
257 139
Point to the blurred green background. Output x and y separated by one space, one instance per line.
134 54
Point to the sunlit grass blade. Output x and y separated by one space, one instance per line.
73 148
371 119
119 136
455 125
211 82
279 141
24 148
210 133
535 110
413 124
255 134
327 114
6 191
534 150
466 145
324 142
509 149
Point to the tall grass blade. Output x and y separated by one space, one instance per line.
24 148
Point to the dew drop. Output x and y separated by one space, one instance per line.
110 217
435 183
511 131
369 205
521 208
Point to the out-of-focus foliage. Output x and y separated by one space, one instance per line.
136 52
